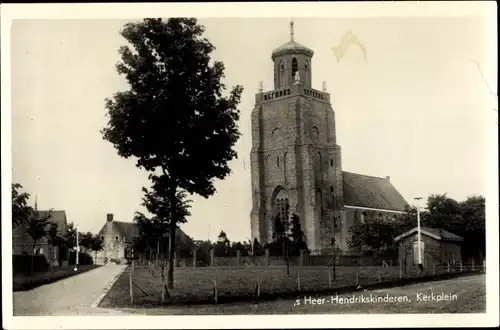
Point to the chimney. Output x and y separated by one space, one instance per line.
109 217
387 177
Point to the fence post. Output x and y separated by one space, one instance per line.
473 264
194 257
329 280
400 270
298 280
257 288
212 257
215 291
238 257
301 256
433 268
267 257
130 287
448 266
461 269
484 265
162 284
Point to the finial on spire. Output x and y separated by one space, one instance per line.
261 86
324 86
36 202
291 30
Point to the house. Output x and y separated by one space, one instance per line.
118 238
22 243
438 246
296 162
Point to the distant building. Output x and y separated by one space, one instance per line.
296 163
118 238
438 246
22 243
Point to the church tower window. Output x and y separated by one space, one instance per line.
294 68
278 161
331 162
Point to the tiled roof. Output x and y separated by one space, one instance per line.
371 192
436 233
444 234
129 230
58 217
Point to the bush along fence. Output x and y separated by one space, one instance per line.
147 282
267 259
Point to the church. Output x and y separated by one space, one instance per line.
296 163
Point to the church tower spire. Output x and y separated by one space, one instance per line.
289 59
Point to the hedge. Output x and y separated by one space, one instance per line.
83 258
21 263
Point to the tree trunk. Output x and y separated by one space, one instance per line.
33 258
171 241
171 252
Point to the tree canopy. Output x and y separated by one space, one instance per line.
466 219
21 211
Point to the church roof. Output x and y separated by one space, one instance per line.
292 47
371 192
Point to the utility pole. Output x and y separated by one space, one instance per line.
77 252
419 238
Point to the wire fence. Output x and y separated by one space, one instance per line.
147 281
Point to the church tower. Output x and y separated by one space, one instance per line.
295 160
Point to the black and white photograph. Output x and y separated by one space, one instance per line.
249 162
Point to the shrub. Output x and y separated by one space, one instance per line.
116 261
83 258
21 264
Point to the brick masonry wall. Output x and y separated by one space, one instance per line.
294 148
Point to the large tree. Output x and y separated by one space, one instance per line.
21 211
174 118
222 248
36 227
374 232
297 237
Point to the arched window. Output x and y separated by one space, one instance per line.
294 68
278 161
282 205
281 74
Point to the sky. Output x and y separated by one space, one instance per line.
414 111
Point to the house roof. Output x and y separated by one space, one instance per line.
371 192
436 233
129 230
57 217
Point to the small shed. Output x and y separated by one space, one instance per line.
438 246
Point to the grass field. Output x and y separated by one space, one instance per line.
470 290
196 285
23 282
